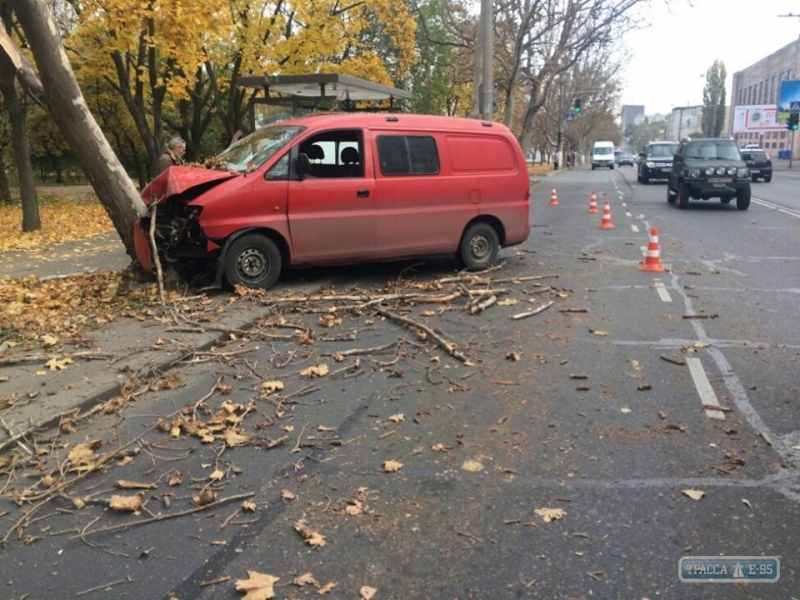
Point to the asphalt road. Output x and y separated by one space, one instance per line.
593 408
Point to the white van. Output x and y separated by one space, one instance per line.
603 155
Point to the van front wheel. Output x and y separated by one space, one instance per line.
253 260
479 246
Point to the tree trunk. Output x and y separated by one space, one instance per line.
5 189
19 141
67 106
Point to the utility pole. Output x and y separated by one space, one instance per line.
487 46
560 115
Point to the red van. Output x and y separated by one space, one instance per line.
343 188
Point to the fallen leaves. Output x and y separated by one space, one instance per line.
694 494
82 456
204 497
391 466
55 364
235 438
66 213
46 313
125 503
473 466
550 514
258 586
316 371
312 538
270 387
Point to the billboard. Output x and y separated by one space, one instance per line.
788 99
755 118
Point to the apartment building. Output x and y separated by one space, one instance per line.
758 86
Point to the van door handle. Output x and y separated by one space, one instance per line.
362 193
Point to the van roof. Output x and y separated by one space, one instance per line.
404 120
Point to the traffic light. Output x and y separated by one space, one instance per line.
577 106
792 125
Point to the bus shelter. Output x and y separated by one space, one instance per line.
321 91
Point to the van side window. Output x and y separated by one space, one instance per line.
335 153
408 155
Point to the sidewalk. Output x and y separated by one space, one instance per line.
36 392
783 165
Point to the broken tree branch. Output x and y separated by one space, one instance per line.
535 311
165 517
154 253
448 347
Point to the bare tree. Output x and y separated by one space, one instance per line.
543 39
15 109
67 106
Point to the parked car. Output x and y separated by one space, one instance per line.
709 168
625 158
656 161
759 163
342 188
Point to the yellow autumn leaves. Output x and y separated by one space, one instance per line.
61 222
58 309
268 37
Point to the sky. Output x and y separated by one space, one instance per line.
669 59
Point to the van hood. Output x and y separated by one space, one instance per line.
191 181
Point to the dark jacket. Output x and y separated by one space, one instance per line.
165 161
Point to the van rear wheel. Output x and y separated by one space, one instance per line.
479 246
253 260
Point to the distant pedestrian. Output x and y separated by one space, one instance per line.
556 160
173 155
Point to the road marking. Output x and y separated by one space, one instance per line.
779 208
627 214
707 395
662 292
635 229
643 249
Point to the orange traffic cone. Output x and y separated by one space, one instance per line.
652 261
606 222
553 198
593 203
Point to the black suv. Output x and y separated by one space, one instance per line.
709 168
759 164
656 161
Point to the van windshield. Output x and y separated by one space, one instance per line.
251 152
604 150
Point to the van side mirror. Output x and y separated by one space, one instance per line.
303 165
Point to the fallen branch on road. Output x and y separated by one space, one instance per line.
165 517
448 347
535 311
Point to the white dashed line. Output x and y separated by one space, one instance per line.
627 214
662 292
634 228
786 211
707 395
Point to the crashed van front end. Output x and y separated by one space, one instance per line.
177 195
